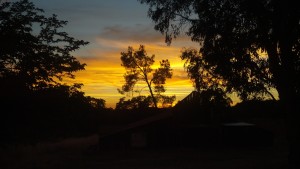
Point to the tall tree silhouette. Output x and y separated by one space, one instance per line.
35 57
138 68
233 37
33 47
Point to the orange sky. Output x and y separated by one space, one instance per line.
110 27
104 73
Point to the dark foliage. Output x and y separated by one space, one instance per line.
33 47
252 45
35 56
52 113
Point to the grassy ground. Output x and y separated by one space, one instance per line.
83 154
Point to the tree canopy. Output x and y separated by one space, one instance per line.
206 76
36 55
138 65
34 49
252 45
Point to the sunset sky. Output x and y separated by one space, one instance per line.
111 26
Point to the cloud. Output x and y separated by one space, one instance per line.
136 33
141 33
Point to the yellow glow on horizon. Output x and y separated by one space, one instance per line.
103 74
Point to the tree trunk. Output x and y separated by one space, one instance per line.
150 90
293 132
290 103
152 95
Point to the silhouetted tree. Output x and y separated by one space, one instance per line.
138 68
252 45
33 48
139 102
35 57
248 85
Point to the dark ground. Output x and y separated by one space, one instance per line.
82 153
